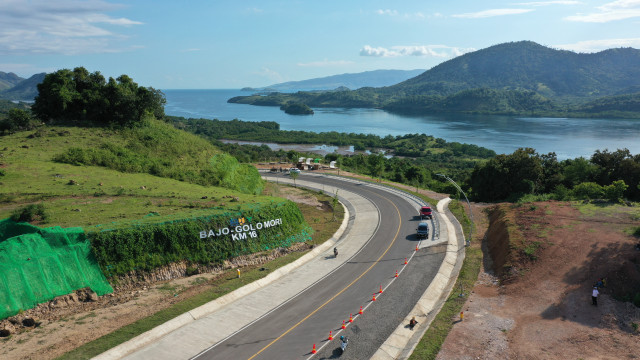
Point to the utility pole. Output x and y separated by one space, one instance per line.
468 241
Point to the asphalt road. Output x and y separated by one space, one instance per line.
289 331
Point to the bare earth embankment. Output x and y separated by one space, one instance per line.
533 295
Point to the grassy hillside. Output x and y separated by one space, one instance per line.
115 193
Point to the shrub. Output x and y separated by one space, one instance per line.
588 191
29 213
615 191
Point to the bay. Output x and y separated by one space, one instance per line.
568 138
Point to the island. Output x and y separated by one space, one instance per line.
296 109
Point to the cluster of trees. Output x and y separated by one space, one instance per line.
296 109
608 175
85 97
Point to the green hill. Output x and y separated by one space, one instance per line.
26 89
8 80
89 176
530 66
512 78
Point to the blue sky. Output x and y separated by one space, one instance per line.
233 44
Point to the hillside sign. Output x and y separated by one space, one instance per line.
241 229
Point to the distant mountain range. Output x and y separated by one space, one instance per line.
375 78
13 87
511 78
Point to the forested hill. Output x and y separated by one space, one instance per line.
530 66
518 78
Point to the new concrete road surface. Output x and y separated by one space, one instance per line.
286 315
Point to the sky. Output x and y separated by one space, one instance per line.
224 44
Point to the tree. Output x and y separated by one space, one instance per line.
17 120
294 176
376 164
615 191
87 97
507 175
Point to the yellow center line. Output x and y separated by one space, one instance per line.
343 290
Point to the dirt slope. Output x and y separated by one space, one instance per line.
540 306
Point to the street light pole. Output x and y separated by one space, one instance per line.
468 242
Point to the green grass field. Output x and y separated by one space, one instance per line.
93 196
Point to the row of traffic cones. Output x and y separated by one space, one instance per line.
360 312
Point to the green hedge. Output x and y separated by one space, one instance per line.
146 247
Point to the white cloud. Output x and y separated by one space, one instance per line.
270 75
589 46
63 27
545 3
612 11
387 12
492 13
325 63
440 51
620 5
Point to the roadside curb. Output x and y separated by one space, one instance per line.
158 332
401 343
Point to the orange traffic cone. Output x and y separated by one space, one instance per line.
343 325
396 273
330 335
405 261
360 312
350 318
416 247
314 349
380 290
374 297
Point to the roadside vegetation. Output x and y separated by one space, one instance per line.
528 176
324 226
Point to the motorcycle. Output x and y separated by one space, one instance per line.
335 252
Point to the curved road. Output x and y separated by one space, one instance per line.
289 330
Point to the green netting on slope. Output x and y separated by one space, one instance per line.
37 265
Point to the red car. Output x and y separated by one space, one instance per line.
425 212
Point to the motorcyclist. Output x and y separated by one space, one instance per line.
343 343
335 252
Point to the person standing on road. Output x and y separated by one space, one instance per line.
594 296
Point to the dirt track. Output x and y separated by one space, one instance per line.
543 310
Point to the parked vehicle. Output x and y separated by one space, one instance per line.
425 212
423 230
294 170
